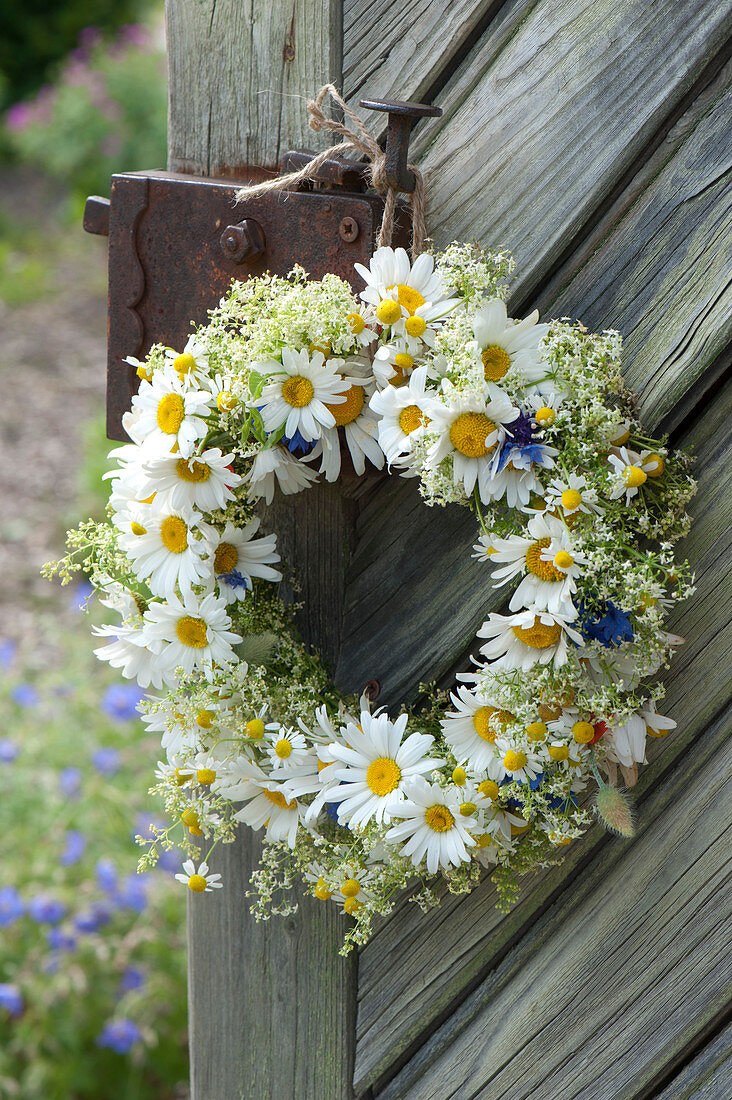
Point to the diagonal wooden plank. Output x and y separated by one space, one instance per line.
707 1075
403 992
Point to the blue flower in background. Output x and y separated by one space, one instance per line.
8 650
119 702
8 750
81 593
119 1035
143 823
11 906
171 860
610 625
132 978
556 802
61 941
11 999
69 781
46 910
92 919
106 761
132 894
75 848
25 695
235 579
106 874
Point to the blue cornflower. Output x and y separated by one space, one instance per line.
170 860
235 579
119 1035
106 874
75 848
92 919
609 625
8 650
60 941
143 824
120 702
521 448
132 978
132 894
69 781
11 999
297 444
79 597
556 802
25 695
46 910
11 906
106 761
8 750
534 783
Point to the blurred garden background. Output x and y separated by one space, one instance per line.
92 955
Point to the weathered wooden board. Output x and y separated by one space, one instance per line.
708 1075
403 992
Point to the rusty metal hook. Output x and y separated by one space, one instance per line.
402 116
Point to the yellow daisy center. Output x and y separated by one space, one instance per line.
138 529
559 752
539 635
563 560
487 719
489 789
544 570
415 326
583 732
278 799
482 840
298 391
144 373
226 558
408 297
622 436
351 906
513 761
184 363
205 776
459 777
537 731
571 499
255 729
226 401
545 417
191 632
633 476
388 311
411 418
469 432
322 891
197 884
347 411
171 413
174 534
190 818
656 465
356 322
283 748
350 888
195 472
403 361
496 362
656 733
467 808
205 718
439 818
383 775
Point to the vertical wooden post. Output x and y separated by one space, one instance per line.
271 1006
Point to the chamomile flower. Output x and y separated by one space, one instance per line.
191 365
204 482
653 463
170 414
375 763
351 889
275 466
572 495
626 741
520 764
199 881
506 345
162 715
237 557
167 547
548 561
391 278
362 321
193 635
472 728
656 724
393 364
483 548
627 474
359 425
285 748
300 392
431 828
469 427
132 653
528 638
401 414
268 805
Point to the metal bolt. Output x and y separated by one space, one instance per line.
349 229
402 116
242 243
371 690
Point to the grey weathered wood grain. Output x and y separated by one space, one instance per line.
708 1075
401 992
615 981
240 73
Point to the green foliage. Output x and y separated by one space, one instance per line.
70 840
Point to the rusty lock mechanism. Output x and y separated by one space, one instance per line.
176 241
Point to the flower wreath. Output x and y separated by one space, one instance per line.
528 425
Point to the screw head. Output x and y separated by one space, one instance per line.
242 243
349 229
372 689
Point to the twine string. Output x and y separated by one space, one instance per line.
360 139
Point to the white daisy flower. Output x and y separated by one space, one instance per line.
470 426
653 463
390 277
401 414
204 482
194 635
191 365
130 651
394 363
626 741
545 406
572 495
166 547
177 736
520 641
519 485
351 891
199 881
472 728
656 724
359 424
299 393
506 345
375 764
286 748
275 465
168 413
548 561
483 548
519 762
269 805
618 434
627 474
362 322
431 826
237 557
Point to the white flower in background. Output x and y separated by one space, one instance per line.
237 557
432 827
523 640
191 365
130 651
299 393
548 561
179 736
519 762
275 465
627 474
470 427
268 804
199 881
401 414
166 547
167 413
572 495
472 728
359 424
506 345
375 763
286 748
484 547
194 635
204 482
656 724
